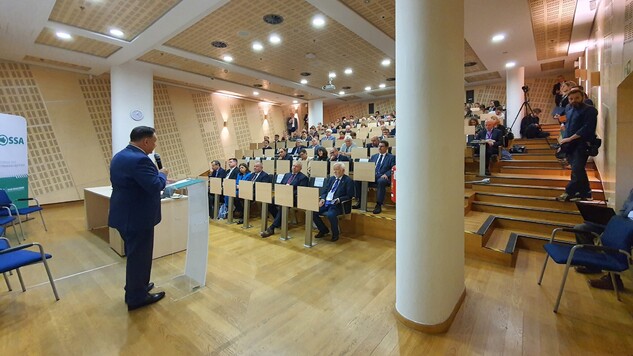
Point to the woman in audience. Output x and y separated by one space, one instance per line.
321 154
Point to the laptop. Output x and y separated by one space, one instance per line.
595 213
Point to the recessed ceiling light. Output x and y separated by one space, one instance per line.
367 88
498 38
341 92
510 64
304 81
348 71
257 46
332 75
295 102
116 32
386 62
63 35
318 21
381 85
228 58
274 39
256 93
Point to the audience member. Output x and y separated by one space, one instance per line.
384 163
374 142
328 135
493 138
321 154
282 154
347 146
292 124
530 126
232 172
294 178
556 90
244 174
216 172
339 188
299 145
335 156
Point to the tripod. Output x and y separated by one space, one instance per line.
526 104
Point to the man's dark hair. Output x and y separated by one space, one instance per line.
233 159
216 162
303 151
385 142
576 90
141 132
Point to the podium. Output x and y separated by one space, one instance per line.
264 195
284 197
308 200
483 145
364 172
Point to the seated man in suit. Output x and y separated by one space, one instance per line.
493 138
339 188
384 162
328 135
375 141
314 143
336 156
216 172
299 144
283 154
294 178
233 171
259 175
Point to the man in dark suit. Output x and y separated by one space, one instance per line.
374 142
336 156
259 175
339 188
292 124
493 137
232 172
216 172
294 178
384 162
299 145
135 210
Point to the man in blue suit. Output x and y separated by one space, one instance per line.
339 188
384 162
294 178
135 210
493 137
216 172
259 175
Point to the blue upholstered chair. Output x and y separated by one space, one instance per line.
612 254
7 219
6 202
13 258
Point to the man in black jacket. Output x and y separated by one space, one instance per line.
339 188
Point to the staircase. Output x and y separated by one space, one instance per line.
520 203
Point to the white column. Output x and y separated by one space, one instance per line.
514 98
430 161
315 112
131 89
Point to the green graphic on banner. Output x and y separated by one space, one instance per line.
17 188
14 158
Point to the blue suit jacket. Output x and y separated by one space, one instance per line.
300 180
220 173
385 167
136 187
344 191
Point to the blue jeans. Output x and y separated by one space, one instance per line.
579 183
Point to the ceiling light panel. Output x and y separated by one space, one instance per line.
287 59
77 44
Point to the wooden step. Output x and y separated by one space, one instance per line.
557 172
531 234
524 141
541 150
534 156
475 248
539 191
527 179
531 163
526 201
546 214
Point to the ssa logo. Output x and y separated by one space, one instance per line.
11 140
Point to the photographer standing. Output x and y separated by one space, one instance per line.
580 131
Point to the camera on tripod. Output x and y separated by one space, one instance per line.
525 88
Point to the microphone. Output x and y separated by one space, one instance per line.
159 163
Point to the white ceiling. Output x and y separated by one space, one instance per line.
22 21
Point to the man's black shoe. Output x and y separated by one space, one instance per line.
268 232
377 209
334 238
150 286
151 298
587 270
321 234
356 206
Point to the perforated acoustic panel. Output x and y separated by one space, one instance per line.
240 122
169 140
628 21
552 22
208 126
96 93
19 95
331 113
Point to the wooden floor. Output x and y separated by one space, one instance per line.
268 297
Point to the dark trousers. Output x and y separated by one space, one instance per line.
275 212
331 212
139 246
590 227
211 202
579 183
381 188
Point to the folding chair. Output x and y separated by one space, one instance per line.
5 201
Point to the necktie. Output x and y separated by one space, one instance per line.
379 163
255 177
292 177
489 135
335 185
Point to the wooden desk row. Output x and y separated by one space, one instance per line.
357 152
310 168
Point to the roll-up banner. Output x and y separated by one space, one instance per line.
14 165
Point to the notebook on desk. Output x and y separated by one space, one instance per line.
595 213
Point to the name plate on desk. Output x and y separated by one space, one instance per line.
365 171
215 185
246 190
308 198
284 195
263 192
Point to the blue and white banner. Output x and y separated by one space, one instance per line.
14 166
